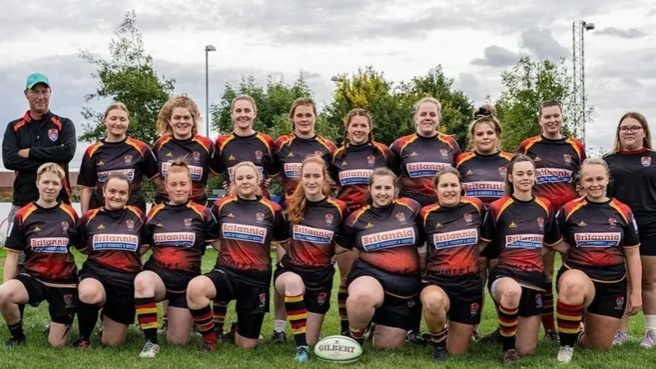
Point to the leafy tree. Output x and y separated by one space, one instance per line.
128 77
526 85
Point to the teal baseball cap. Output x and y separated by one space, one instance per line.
36 78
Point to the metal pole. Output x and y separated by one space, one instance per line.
207 92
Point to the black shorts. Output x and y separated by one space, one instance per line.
465 295
62 301
252 301
610 298
175 283
401 305
119 291
318 285
531 303
647 244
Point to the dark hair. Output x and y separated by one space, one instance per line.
485 110
380 172
646 142
120 177
516 159
485 114
357 112
548 104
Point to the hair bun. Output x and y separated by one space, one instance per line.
486 110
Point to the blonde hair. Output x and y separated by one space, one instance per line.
431 100
594 161
50 168
646 142
298 200
116 106
182 101
233 189
178 165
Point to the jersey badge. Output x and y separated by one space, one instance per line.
329 219
371 160
100 162
612 222
53 134
259 217
619 303
502 172
512 225
263 300
567 158
541 224
411 303
413 153
318 153
169 154
290 155
468 218
258 156
231 157
444 153
400 217
538 300
645 161
187 222
127 159
196 156
68 300
582 224
130 224
64 226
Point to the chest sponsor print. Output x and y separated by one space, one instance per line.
552 175
465 237
115 242
597 239
240 232
424 169
102 176
178 239
484 189
313 235
293 170
195 171
52 245
389 239
354 177
524 241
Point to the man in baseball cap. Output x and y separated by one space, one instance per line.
36 78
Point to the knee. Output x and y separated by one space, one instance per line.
89 296
571 289
294 287
358 299
435 302
142 287
196 291
511 296
649 282
6 296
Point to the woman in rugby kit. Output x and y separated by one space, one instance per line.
248 223
632 166
417 159
453 287
351 167
111 236
291 150
384 280
519 224
45 231
557 160
601 244
304 276
177 232
115 153
483 169
177 123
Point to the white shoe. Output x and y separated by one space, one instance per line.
565 354
649 341
620 338
149 350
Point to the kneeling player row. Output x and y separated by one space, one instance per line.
407 255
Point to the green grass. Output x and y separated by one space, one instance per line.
36 354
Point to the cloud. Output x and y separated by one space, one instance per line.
631 33
471 86
496 56
542 44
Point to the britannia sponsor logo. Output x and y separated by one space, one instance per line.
553 175
354 177
102 176
53 245
424 169
389 239
465 237
293 170
178 239
115 242
240 232
524 241
313 235
231 172
598 239
484 189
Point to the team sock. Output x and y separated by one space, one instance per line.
439 338
147 317
357 334
342 294
548 312
569 321
87 316
508 319
16 330
297 315
204 319
21 310
220 309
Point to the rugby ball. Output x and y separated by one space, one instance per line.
338 349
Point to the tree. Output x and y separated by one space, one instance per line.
129 77
526 85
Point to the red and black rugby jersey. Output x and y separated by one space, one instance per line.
417 159
46 236
258 148
130 157
112 238
557 162
483 176
452 235
519 229
290 153
178 234
198 152
633 182
351 168
247 228
387 238
311 244
597 234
